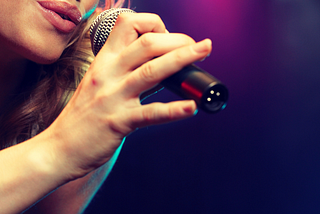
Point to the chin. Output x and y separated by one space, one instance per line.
45 48
44 60
43 56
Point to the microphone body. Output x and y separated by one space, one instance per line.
190 83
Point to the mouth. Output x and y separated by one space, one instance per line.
62 15
65 17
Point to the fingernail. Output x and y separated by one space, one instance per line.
202 46
205 57
195 112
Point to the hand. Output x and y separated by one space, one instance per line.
106 106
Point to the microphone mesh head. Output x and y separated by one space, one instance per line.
102 27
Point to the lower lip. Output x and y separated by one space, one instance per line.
65 26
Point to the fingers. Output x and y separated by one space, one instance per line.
151 45
145 48
128 27
158 69
159 113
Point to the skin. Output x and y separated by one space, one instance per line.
24 35
76 153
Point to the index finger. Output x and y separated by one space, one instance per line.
156 70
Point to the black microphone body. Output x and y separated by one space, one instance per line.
190 83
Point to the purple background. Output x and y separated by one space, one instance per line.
259 155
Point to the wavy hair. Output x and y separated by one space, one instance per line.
47 88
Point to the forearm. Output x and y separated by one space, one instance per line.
75 196
27 174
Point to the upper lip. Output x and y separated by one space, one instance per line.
64 9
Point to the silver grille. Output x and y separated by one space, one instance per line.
102 27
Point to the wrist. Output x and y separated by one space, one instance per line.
47 158
61 155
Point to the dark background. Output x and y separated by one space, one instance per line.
259 155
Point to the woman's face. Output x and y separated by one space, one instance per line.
39 30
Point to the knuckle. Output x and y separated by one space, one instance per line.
157 22
179 58
124 17
172 113
155 18
148 116
187 40
131 82
147 72
147 40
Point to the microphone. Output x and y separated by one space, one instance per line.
189 83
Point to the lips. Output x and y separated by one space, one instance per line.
62 15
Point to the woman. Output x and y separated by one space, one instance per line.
57 151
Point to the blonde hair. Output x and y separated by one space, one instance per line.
47 88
